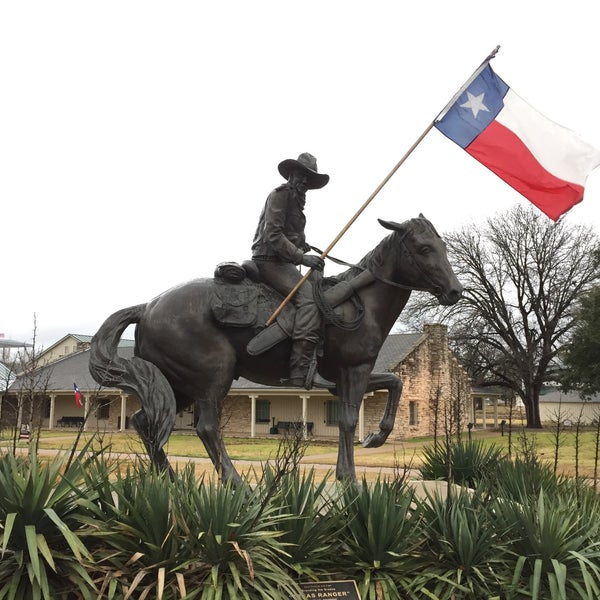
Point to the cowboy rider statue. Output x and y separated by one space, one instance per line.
278 248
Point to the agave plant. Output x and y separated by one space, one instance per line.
136 536
556 548
465 462
312 522
462 556
235 534
379 538
520 478
42 555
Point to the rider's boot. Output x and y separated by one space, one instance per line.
303 366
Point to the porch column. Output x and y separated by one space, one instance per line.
87 409
253 398
483 403
496 412
19 412
52 411
304 398
123 411
361 420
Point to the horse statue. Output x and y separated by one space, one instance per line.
185 355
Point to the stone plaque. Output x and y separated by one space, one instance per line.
330 590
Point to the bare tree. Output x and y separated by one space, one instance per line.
522 275
23 404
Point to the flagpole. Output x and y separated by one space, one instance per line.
385 180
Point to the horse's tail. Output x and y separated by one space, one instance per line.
136 376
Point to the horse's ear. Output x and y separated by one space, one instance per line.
390 225
422 216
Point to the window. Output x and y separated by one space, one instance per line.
412 413
333 412
263 411
103 410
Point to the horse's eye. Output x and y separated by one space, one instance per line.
425 250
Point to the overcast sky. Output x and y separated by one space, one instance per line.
139 140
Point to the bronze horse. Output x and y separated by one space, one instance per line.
183 356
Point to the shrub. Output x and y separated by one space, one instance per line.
41 517
379 538
465 463
463 556
556 549
310 520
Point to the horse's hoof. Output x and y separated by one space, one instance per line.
368 441
373 440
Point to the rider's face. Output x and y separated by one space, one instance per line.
299 181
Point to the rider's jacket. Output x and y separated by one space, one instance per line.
280 231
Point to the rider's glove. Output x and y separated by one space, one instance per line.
313 262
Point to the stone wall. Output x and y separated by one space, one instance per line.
433 379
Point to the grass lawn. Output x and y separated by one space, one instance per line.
394 454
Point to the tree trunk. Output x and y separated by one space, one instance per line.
532 411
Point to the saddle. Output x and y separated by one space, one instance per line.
240 299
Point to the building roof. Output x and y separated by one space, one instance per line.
69 370
555 395
74 368
4 343
395 349
82 339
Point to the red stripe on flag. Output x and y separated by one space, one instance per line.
503 152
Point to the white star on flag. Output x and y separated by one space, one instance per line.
475 103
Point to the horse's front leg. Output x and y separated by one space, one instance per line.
351 388
391 383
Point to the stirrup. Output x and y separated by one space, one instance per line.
319 382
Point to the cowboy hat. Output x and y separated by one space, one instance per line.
306 164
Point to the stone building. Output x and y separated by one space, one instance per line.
435 398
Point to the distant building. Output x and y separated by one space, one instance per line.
568 407
436 392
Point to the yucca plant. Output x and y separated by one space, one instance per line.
236 535
379 538
556 548
41 515
462 556
310 519
136 536
519 478
465 462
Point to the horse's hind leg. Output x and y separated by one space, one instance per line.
209 430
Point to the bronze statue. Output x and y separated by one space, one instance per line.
189 350
279 247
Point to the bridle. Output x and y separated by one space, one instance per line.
433 289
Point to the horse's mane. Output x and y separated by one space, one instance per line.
387 246
372 258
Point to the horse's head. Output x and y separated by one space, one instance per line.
427 267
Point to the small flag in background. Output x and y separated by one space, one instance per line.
78 401
543 161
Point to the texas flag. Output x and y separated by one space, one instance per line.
78 401
542 160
